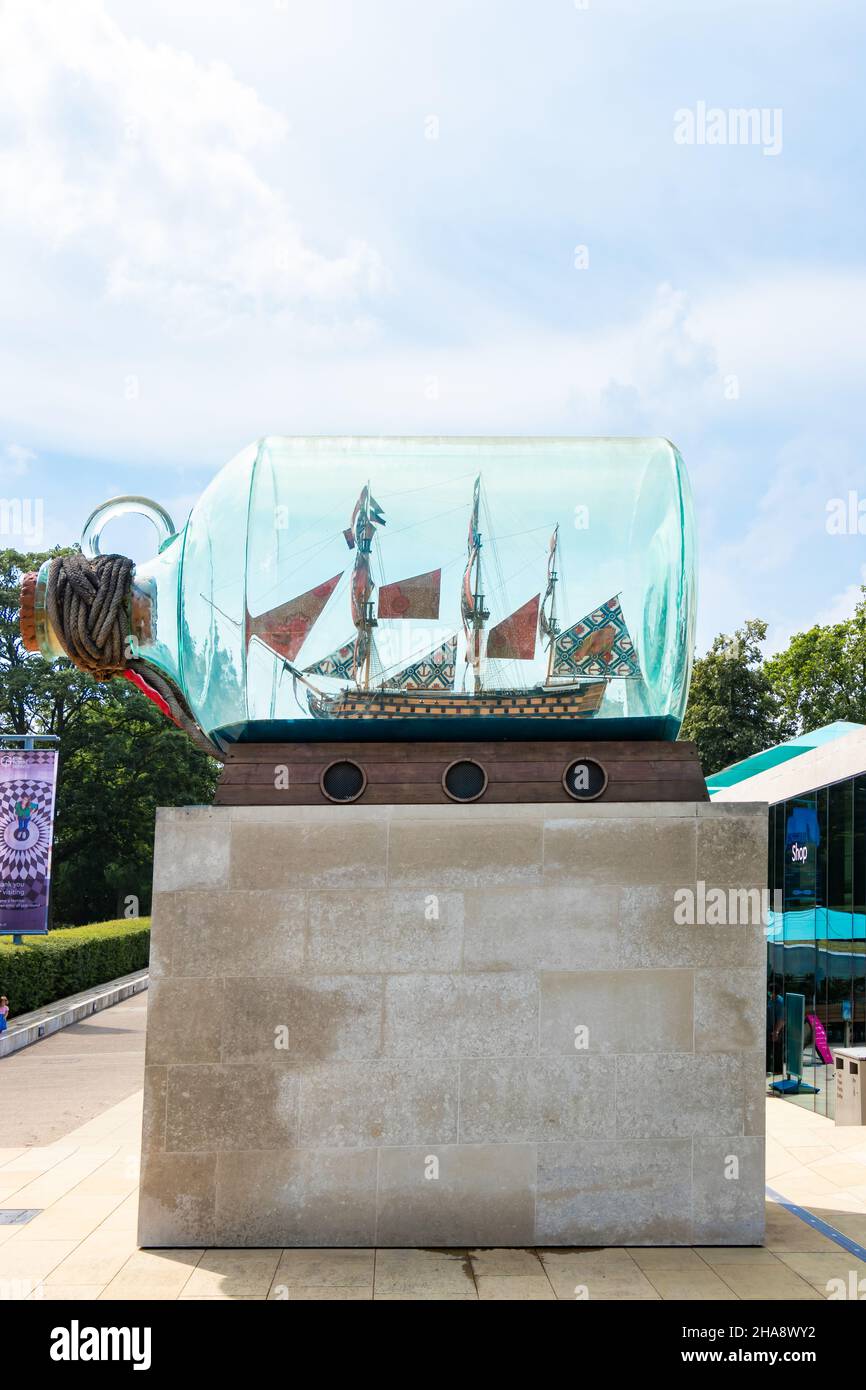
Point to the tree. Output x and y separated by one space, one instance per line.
120 758
120 761
821 676
733 710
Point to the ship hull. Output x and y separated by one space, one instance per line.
574 702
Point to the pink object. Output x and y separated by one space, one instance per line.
822 1047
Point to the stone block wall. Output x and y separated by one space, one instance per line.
454 1026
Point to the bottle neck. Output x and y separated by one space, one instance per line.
143 643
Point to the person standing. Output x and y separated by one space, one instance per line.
24 811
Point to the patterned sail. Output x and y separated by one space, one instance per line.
435 671
417 597
514 638
339 664
599 645
285 629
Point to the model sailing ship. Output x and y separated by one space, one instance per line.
582 658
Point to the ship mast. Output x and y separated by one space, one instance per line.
366 517
548 627
472 607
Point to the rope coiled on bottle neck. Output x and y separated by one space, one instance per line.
87 601
88 608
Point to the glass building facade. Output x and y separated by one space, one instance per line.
817 930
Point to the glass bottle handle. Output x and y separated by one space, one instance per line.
125 506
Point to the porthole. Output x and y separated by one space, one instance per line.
343 781
464 780
584 780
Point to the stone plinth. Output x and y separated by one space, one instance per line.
455 1025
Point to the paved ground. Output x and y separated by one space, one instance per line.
56 1085
82 1245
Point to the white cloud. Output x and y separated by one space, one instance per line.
770 555
797 329
653 375
16 461
144 163
657 372
842 605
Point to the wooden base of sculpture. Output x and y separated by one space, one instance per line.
410 772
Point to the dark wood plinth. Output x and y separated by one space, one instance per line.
410 773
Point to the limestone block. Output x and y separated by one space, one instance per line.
446 854
520 1100
184 1021
299 856
607 1192
214 1107
379 1103
630 850
730 1009
177 1198
194 849
462 1194
651 934
385 931
284 1020
617 1011
296 1196
573 927
728 1191
234 932
732 845
678 1096
478 1015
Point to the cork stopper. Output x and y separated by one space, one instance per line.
27 616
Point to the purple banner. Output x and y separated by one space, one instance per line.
28 782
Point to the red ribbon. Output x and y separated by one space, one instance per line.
151 694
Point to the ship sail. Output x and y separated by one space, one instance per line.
514 638
599 645
338 665
471 599
435 671
285 629
415 598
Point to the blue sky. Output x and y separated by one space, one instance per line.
221 220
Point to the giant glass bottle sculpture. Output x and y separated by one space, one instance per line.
416 588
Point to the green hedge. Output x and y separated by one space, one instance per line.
65 962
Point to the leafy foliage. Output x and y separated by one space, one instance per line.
51 967
36 696
733 710
119 762
821 677
739 703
